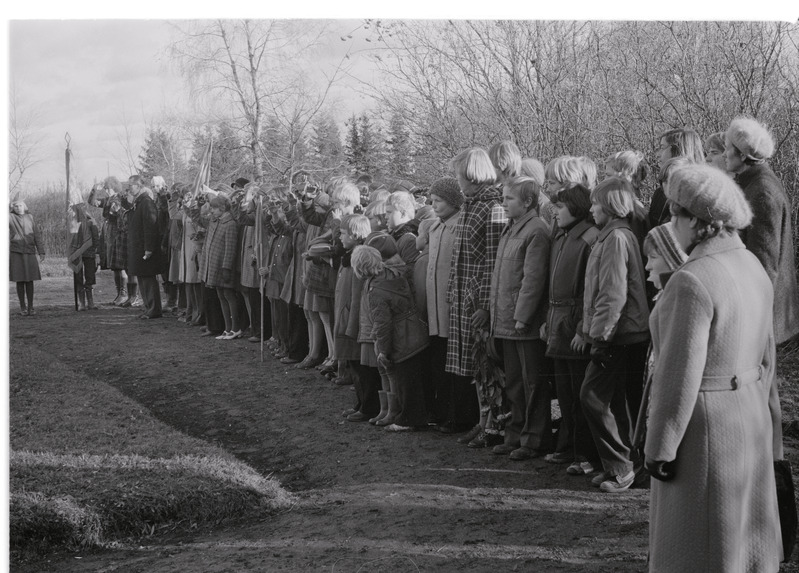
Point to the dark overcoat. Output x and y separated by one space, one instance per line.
143 236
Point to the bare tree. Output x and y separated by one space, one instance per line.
23 140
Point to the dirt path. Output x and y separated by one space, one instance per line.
369 500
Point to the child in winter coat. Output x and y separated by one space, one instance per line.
616 324
400 212
83 254
518 303
574 236
349 288
218 263
400 336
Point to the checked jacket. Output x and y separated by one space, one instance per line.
474 250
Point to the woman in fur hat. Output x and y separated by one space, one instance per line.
770 237
710 441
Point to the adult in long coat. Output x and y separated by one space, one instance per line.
144 247
770 237
710 430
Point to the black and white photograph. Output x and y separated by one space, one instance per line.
449 290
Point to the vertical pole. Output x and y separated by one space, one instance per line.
67 154
259 214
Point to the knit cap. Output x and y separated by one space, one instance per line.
709 194
751 138
384 243
448 189
665 243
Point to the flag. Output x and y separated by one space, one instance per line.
204 174
79 236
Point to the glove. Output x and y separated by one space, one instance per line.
601 355
227 275
663 471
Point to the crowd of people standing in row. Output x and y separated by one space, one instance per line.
470 305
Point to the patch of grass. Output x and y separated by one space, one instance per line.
54 267
89 465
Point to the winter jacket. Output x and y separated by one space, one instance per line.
219 252
770 238
405 235
25 236
519 280
615 310
713 341
568 259
347 305
142 227
398 331
441 239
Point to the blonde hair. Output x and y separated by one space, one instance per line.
402 201
562 170
532 167
379 194
366 261
616 196
507 159
475 166
628 165
587 168
346 192
357 226
375 208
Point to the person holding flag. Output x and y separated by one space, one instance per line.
82 254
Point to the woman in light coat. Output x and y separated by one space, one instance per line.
710 436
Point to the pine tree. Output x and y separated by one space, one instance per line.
161 155
325 152
400 150
353 150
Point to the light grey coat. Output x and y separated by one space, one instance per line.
712 323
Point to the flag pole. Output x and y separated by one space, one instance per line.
67 154
259 242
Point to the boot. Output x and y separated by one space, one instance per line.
393 410
81 299
132 287
172 298
383 408
121 292
90 299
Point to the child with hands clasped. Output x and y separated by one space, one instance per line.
518 306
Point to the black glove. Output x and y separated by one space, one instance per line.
664 471
227 275
601 355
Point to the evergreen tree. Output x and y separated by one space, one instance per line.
325 152
373 147
353 150
161 155
229 157
400 150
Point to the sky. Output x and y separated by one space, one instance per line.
96 78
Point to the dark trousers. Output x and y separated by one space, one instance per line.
195 293
528 392
280 321
253 305
298 332
151 295
454 401
214 320
86 276
406 383
604 398
574 435
367 385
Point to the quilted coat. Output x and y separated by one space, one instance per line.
713 371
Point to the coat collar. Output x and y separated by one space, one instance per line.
576 231
716 245
614 224
753 172
487 193
513 227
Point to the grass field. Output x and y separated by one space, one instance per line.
89 466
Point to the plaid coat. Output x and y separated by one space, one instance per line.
114 240
219 252
469 286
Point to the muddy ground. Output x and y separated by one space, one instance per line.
369 500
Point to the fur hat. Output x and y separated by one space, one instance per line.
751 138
240 182
664 242
709 194
385 244
448 189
